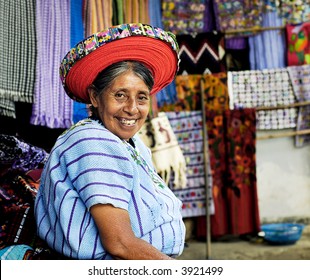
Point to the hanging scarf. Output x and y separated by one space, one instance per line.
18 54
52 107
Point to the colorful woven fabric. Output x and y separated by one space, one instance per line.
18 155
298 44
201 54
52 108
300 77
184 17
268 49
17 194
264 88
187 126
293 11
215 92
18 54
188 89
232 149
238 14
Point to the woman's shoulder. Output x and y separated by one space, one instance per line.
86 134
87 128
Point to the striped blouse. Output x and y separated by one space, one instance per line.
89 165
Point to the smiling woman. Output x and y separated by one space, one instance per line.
100 196
120 97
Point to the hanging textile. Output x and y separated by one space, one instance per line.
264 88
76 35
268 48
52 107
293 11
216 92
18 54
238 14
232 149
187 127
167 156
201 54
300 77
184 17
188 94
298 44
98 15
167 95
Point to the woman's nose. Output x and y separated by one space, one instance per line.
131 106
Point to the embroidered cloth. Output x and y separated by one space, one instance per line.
300 77
232 152
298 44
183 16
264 88
187 127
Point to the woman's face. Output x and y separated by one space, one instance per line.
124 106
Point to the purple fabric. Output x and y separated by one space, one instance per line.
52 107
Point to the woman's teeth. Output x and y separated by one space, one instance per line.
127 122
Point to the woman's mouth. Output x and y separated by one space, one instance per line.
127 122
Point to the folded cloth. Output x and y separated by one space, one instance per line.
19 155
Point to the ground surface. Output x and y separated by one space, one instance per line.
237 249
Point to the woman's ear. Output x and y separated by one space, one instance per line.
92 96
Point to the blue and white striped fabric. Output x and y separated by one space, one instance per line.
89 165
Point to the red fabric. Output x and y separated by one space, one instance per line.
298 41
155 54
231 138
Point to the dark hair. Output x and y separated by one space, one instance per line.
107 76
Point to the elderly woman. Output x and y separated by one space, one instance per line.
100 197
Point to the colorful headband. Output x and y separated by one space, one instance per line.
156 48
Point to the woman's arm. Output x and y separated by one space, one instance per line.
118 238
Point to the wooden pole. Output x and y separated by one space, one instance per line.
284 134
293 105
253 29
206 161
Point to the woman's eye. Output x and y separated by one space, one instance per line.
120 95
143 97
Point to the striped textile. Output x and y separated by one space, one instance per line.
52 107
18 54
90 165
268 49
